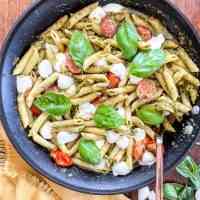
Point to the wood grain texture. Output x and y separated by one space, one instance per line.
10 9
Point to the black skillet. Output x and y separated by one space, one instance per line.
35 20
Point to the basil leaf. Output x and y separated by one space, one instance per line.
89 152
189 169
149 115
127 39
54 104
186 194
107 117
171 190
146 63
79 47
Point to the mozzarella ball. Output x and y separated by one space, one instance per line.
120 168
102 165
98 14
60 62
45 69
24 83
65 137
123 142
113 7
46 131
112 137
71 91
119 70
156 42
139 134
64 81
86 110
148 159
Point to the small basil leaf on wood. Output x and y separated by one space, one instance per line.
187 193
149 115
54 104
89 151
189 169
79 47
107 117
171 190
127 39
146 63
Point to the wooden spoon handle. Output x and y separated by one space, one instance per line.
159 169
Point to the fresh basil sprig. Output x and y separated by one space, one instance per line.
149 115
146 63
89 151
107 117
127 39
79 47
189 169
174 191
54 104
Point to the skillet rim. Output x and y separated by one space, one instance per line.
9 36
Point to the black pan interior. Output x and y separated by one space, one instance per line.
32 23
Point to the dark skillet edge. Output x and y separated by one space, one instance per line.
20 150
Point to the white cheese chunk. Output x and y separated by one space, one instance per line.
156 42
64 137
101 62
86 110
166 113
119 70
120 168
112 137
143 193
134 79
60 62
46 131
98 14
188 129
195 110
113 7
64 81
197 195
123 142
139 134
148 159
100 143
24 83
121 111
45 68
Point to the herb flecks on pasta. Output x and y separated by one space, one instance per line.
98 85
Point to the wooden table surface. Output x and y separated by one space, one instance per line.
10 9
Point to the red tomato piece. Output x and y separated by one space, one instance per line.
146 89
150 144
114 80
53 87
61 158
35 111
144 32
71 65
138 150
108 27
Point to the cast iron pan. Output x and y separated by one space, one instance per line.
35 20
